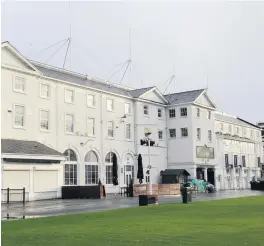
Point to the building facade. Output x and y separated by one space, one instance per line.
88 121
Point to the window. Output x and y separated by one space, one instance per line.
146 110
226 160
70 168
91 168
69 123
230 128
160 134
128 131
110 129
127 108
110 104
183 112
209 115
172 133
172 113
235 160
243 161
198 133
184 132
90 100
69 96
209 135
245 131
159 113
221 126
259 165
198 112
44 90
237 130
147 178
251 133
109 167
44 120
90 127
19 116
19 84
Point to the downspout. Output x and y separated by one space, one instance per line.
102 138
135 127
57 118
166 134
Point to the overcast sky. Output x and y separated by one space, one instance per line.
222 43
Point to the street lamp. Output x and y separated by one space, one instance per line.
147 134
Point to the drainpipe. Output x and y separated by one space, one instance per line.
166 134
57 118
135 132
102 138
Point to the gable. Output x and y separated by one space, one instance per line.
12 58
204 101
153 96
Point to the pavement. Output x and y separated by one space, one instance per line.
58 207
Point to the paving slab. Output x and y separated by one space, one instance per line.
59 206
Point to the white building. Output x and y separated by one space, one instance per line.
87 120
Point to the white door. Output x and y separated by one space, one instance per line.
128 174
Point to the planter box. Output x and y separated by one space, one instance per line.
145 200
82 192
157 189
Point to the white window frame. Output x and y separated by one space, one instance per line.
184 111
67 132
113 124
40 120
113 104
93 127
209 115
14 116
94 100
170 133
14 84
126 132
73 95
129 108
184 132
147 110
230 129
172 113
40 90
221 126
94 169
210 135
198 112
198 133
162 135
161 113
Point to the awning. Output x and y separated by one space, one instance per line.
174 172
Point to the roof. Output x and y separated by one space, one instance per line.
233 119
183 97
12 146
138 92
79 79
175 172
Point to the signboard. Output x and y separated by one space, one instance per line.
204 152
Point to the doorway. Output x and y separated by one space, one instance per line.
211 176
128 174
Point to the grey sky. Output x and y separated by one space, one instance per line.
221 41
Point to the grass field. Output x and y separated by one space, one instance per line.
224 222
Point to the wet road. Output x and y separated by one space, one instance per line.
57 207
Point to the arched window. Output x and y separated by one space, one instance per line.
108 168
70 168
129 169
91 168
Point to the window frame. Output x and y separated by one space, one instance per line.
147 106
40 120
130 132
184 130
74 172
162 137
93 126
172 113
14 84
94 100
210 136
66 123
209 115
88 165
183 111
172 137
73 94
113 124
198 112
113 106
14 116
40 90
161 113
129 104
198 134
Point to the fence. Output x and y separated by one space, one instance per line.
7 195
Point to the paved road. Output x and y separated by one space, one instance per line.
57 207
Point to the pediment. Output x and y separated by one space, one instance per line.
204 100
154 96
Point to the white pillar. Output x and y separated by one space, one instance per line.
150 182
233 174
205 173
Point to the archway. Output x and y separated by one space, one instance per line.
129 169
70 167
91 168
109 167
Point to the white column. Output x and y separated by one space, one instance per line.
150 181
205 173
242 177
233 174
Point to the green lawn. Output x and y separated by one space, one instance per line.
223 222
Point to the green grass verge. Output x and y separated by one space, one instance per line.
223 222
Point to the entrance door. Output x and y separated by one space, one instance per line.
211 176
129 174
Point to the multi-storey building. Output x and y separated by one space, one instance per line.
89 121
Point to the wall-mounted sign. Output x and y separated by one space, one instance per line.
204 152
